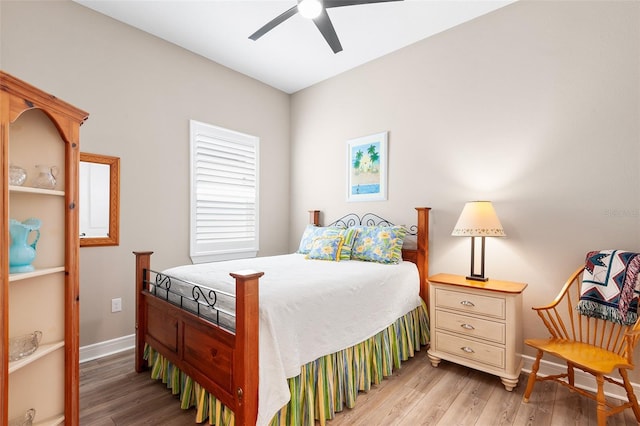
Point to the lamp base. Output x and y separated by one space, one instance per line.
477 278
473 276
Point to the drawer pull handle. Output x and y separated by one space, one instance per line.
467 326
467 349
467 303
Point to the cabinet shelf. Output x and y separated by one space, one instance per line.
51 421
43 350
32 190
36 273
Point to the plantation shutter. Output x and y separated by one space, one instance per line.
224 193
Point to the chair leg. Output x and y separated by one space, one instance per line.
631 396
532 377
602 406
570 376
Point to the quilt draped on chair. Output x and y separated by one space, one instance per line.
610 286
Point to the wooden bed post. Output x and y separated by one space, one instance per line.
246 367
143 263
314 217
423 252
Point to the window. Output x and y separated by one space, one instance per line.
224 193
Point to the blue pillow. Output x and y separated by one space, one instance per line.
326 248
311 232
382 244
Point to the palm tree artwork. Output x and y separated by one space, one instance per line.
365 169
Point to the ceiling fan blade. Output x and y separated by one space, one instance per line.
328 32
274 23
340 3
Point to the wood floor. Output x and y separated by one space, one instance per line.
111 393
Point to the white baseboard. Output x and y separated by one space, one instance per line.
108 347
582 380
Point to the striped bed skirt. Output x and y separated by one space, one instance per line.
324 387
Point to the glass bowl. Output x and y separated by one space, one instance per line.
17 175
22 346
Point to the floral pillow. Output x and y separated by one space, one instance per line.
311 232
382 244
326 248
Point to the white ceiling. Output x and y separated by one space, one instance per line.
294 55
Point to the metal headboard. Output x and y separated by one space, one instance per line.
368 219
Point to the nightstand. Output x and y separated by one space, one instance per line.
477 324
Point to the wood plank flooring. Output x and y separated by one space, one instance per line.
111 393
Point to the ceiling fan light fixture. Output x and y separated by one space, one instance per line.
310 9
315 10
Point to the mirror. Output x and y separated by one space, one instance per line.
99 200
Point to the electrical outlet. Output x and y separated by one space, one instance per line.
116 305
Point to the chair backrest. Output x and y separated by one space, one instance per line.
565 322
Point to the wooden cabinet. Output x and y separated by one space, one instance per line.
39 129
477 324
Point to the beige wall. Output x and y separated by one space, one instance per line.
141 93
534 106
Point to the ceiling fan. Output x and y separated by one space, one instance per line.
315 10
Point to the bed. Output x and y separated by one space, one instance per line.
201 328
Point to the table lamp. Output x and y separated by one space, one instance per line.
478 219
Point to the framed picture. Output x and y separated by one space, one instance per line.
367 168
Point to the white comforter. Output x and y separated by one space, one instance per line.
310 308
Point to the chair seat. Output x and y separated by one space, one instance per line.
586 356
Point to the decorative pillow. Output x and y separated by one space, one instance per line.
326 248
311 232
382 244
349 235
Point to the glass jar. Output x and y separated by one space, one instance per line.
25 420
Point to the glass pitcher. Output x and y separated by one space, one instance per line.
46 178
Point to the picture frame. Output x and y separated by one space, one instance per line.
367 161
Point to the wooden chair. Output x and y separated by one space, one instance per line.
593 345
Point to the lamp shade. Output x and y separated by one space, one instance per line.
478 219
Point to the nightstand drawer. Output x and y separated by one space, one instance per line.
469 302
470 326
469 349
